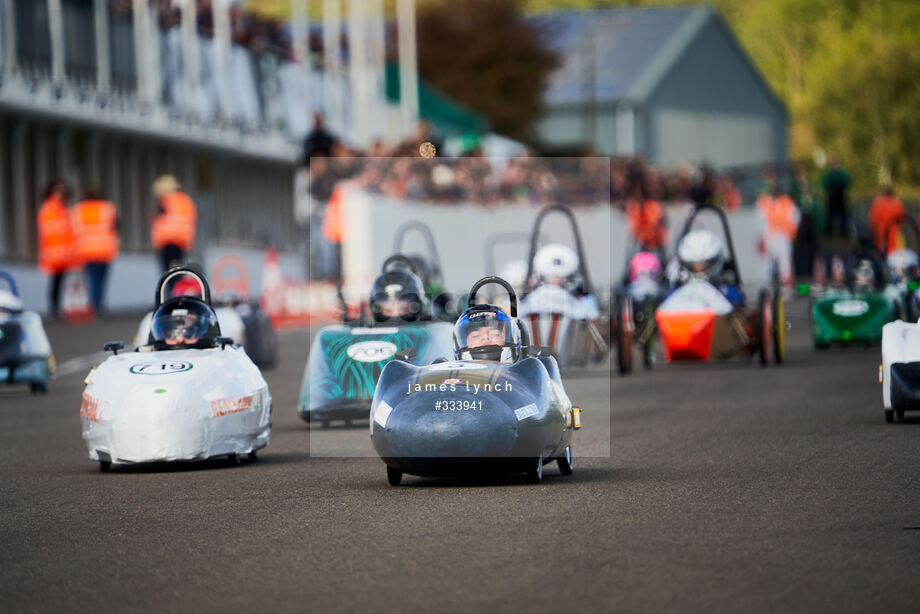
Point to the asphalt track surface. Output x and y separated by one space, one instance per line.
728 487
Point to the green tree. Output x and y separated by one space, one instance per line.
487 56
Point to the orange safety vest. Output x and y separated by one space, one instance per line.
885 210
55 236
176 225
94 228
779 213
646 222
334 217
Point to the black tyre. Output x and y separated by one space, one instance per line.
625 332
764 330
565 462
394 476
233 459
253 456
899 413
104 466
889 416
779 329
535 473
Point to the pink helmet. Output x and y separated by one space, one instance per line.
644 264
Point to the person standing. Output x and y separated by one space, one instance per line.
886 210
55 241
781 222
94 225
173 231
836 184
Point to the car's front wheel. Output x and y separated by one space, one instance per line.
565 462
394 476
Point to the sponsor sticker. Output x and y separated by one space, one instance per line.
160 368
230 405
382 413
525 412
452 381
371 351
450 366
390 330
91 408
850 308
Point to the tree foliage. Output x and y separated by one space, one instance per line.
848 70
487 56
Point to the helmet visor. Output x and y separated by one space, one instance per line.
181 326
485 328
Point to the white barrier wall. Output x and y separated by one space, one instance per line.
460 233
132 277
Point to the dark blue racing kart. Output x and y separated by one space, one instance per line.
466 417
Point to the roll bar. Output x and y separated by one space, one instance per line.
492 279
534 238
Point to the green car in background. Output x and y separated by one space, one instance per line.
844 316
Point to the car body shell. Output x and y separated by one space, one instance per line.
175 405
345 362
519 412
841 316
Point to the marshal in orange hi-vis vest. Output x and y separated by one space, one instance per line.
176 225
94 227
779 213
56 247
646 222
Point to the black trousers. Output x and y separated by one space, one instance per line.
54 293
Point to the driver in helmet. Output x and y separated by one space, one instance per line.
486 332
398 295
183 322
557 266
702 256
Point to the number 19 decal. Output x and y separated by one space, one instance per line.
160 368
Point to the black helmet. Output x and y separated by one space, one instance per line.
398 295
486 332
184 322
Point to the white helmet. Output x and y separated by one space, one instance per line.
901 263
555 261
700 252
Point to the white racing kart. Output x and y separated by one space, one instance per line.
25 352
190 401
899 372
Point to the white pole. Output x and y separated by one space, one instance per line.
408 65
220 10
101 23
332 68
300 32
378 76
357 71
139 17
190 68
56 30
152 53
9 36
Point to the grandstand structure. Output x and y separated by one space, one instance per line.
112 93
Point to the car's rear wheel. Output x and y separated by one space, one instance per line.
889 416
233 459
394 476
253 456
104 466
535 473
765 324
625 331
565 462
899 413
779 329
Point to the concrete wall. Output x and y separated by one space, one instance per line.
132 278
460 234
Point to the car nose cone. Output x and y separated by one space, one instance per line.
430 425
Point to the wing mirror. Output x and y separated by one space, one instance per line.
114 347
224 341
405 355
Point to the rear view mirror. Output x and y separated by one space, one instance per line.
224 341
114 347
405 355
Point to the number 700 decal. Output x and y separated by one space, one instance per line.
160 368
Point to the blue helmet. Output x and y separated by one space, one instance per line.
486 332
